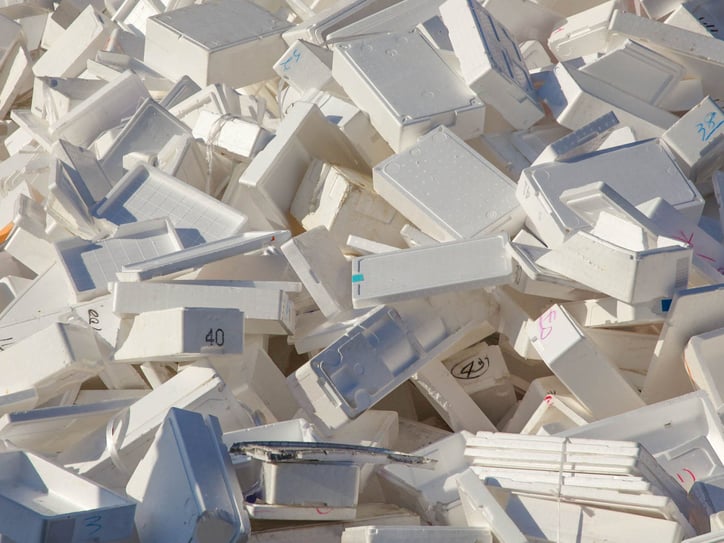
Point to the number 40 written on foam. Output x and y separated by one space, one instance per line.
215 337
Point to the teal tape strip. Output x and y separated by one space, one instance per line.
357 277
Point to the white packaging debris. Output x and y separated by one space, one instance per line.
433 94
230 42
200 482
43 502
251 248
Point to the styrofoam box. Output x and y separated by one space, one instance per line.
449 399
702 56
148 193
702 361
110 454
37 429
265 190
692 311
424 271
421 534
240 139
576 98
91 266
150 128
684 434
610 312
575 359
181 334
266 310
697 139
101 111
41 502
401 15
638 172
406 88
448 190
307 66
431 493
315 484
223 41
482 373
343 200
641 275
67 56
321 266
491 63
326 17
637 70
358 369
51 360
584 33
186 484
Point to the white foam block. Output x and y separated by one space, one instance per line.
423 534
101 111
432 94
110 454
43 501
345 203
63 355
37 429
444 187
577 98
322 268
567 350
482 509
267 311
187 472
200 255
91 266
265 190
697 139
541 186
224 42
449 399
701 361
78 43
700 55
491 63
637 70
583 33
182 334
146 193
423 271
